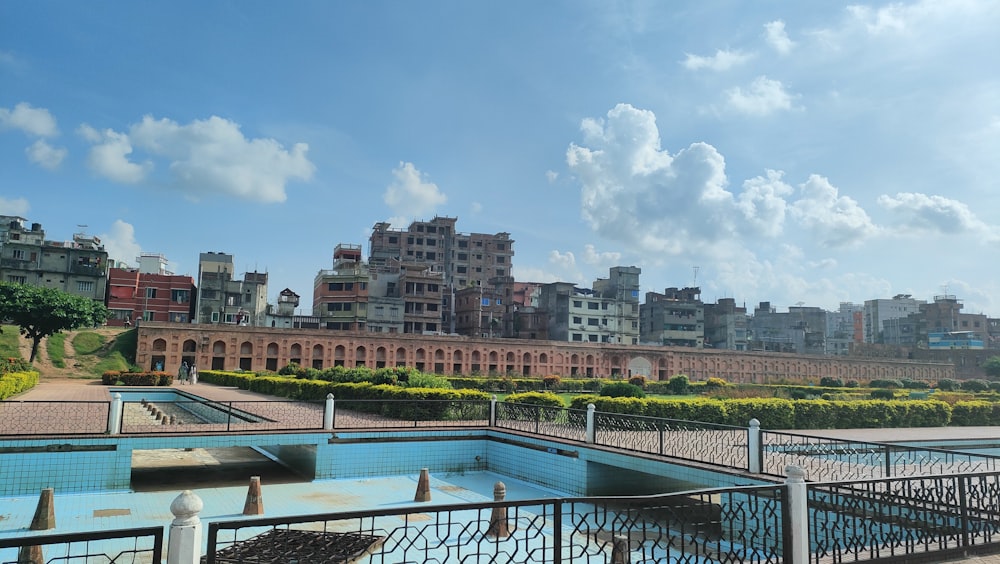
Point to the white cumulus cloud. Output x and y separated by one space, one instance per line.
764 96
204 157
838 221
45 155
109 156
120 243
410 194
777 38
17 207
33 121
720 61
936 214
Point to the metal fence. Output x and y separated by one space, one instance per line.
205 416
827 459
721 445
402 414
731 525
542 420
117 546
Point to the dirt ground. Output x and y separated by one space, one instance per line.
47 371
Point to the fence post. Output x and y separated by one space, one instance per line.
328 413
755 452
493 410
590 423
798 519
184 542
115 414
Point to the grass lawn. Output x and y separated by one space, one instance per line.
10 341
55 346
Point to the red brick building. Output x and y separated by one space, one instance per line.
149 293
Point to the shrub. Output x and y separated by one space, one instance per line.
948 385
12 383
8 365
975 385
678 385
638 380
622 390
714 383
830 382
119 378
551 382
851 384
882 394
915 384
885 384
422 380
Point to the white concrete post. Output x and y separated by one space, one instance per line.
184 542
328 413
753 447
115 415
590 423
798 507
493 410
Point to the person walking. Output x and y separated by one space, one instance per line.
193 374
182 373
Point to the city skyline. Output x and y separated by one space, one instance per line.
782 153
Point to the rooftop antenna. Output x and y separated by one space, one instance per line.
694 283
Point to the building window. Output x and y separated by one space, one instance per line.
462 244
593 305
577 337
17 254
147 316
593 321
16 279
577 303
180 296
501 260
578 320
85 286
463 256
150 292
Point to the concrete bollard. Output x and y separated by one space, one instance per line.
498 518
167 420
423 486
620 553
44 519
184 542
45 512
255 500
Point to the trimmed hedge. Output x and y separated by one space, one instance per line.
547 399
781 413
117 378
13 383
415 404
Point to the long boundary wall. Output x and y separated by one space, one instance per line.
228 347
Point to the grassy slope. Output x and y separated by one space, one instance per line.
10 342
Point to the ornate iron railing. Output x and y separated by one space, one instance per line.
721 445
117 546
731 525
903 518
194 416
826 459
542 420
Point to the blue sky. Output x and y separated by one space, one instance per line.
786 151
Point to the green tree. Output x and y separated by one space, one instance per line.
41 312
992 367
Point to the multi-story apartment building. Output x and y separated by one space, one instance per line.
340 295
844 327
464 259
480 311
675 318
944 317
423 291
78 266
149 293
606 313
725 325
801 330
879 312
224 299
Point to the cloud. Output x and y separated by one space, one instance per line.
763 204
17 207
763 97
774 34
45 155
838 221
532 274
476 207
721 61
109 156
551 176
565 261
934 214
410 195
604 259
204 157
33 121
120 243
890 18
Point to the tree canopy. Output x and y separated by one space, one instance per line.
40 312
992 367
